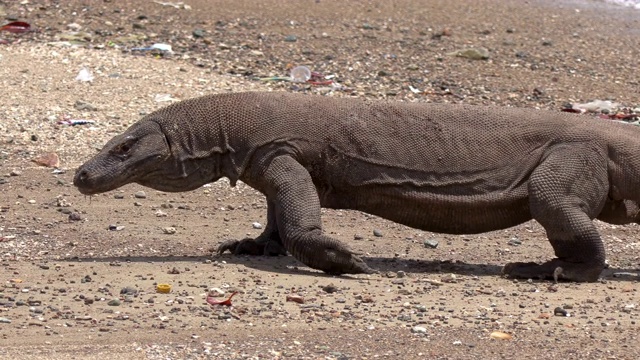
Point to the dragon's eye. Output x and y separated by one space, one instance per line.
123 148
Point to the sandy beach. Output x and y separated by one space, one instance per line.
79 274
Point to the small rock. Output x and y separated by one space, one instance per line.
48 160
357 237
377 233
161 213
419 330
15 173
116 227
216 292
169 230
198 33
291 38
431 243
560 312
140 195
330 289
74 27
128 290
256 225
514 241
4 320
114 302
118 196
449 278
295 298
472 53
84 106
401 274
500 335
75 217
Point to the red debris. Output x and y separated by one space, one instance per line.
16 27
227 302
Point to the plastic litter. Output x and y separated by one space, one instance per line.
596 106
163 288
177 5
16 27
84 75
300 74
157 46
73 122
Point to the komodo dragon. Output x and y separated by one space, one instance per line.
444 168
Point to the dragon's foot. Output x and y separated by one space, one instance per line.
337 259
250 246
555 269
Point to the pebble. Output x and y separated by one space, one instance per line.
84 106
114 302
330 289
419 330
128 290
75 216
514 241
256 225
198 33
449 278
291 38
15 173
431 243
377 233
560 312
169 230
472 53
116 227
295 298
4 320
118 196
140 195
357 237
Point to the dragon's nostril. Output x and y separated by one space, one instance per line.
81 176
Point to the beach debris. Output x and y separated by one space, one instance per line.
74 122
84 75
227 302
177 5
595 106
157 46
500 335
300 74
164 98
605 109
16 27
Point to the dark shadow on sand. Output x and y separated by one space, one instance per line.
288 265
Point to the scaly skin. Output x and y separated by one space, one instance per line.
445 168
